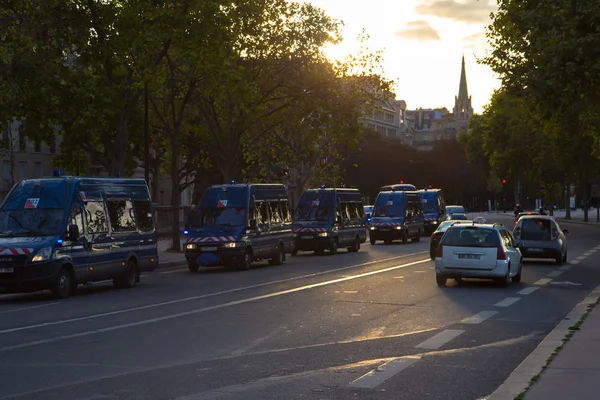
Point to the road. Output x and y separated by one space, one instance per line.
315 328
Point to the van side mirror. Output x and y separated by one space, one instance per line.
565 231
253 224
73 232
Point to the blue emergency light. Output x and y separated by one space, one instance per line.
233 181
56 172
322 186
186 232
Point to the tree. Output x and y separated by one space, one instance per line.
548 52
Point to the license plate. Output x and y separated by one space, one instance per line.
384 229
208 249
534 249
469 256
7 270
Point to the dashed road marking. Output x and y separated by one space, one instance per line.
384 372
565 268
574 262
479 317
554 274
440 339
528 290
543 281
507 302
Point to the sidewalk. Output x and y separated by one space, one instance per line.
574 371
576 216
167 258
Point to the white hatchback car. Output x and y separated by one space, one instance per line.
478 251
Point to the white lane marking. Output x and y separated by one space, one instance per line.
554 274
589 253
258 341
528 290
202 296
565 268
384 372
541 282
580 258
204 309
174 271
479 317
29 308
440 339
507 302
574 262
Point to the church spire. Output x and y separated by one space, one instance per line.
463 92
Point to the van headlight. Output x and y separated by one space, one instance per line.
398 227
43 254
190 246
324 234
234 245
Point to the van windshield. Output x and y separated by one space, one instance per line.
390 211
31 222
317 213
223 216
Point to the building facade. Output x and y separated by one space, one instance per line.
463 110
389 120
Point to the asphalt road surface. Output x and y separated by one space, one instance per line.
368 325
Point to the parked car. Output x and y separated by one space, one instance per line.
540 236
436 236
478 251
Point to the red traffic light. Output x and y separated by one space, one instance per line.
503 181
401 182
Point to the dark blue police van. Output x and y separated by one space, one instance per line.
396 215
56 233
434 208
238 224
327 219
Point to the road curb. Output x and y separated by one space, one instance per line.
520 379
582 223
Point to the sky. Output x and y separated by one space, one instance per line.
422 42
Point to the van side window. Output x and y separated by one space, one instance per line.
96 217
120 213
76 218
276 217
285 211
346 211
144 215
262 213
410 207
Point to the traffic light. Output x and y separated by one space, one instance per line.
401 182
503 181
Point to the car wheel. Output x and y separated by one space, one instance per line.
432 254
440 280
506 280
565 257
517 277
559 259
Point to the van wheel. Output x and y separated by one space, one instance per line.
279 258
193 267
294 251
356 247
63 287
334 247
372 240
405 238
418 237
247 263
129 278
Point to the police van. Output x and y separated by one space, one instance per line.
59 232
238 224
329 219
396 216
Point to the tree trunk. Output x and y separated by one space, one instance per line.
567 201
586 197
175 194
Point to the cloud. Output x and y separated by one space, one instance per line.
474 40
418 30
469 11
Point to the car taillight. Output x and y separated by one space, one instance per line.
554 233
501 254
439 253
517 232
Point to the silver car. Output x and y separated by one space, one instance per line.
540 236
478 251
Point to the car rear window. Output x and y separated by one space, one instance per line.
536 229
471 237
